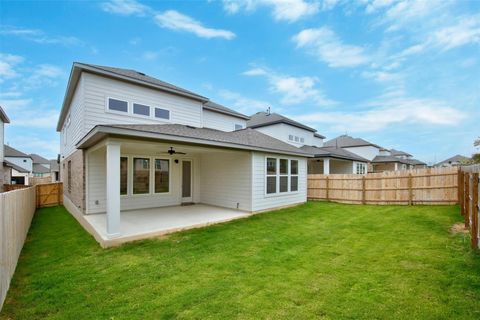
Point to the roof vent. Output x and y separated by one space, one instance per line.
191 127
141 73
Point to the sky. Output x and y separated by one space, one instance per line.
402 74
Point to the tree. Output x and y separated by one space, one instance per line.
476 156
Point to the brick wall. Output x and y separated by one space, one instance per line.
76 192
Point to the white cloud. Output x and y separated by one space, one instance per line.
387 111
283 10
381 76
243 104
329 4
466 31
150 55
174 20
7 66
294 90
377 4
324 44
39 36
125 7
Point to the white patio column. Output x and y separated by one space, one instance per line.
113 189
326 166
396 166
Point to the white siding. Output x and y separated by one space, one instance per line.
367 152
226 179
260 200
25 163
281 131
98 89
71 133
221 121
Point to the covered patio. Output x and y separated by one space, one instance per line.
145 223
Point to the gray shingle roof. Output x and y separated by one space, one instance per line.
12 152
456 158
3 116
344 141
318 135
38 168
247 139
210 105
415 162
399 153
261 119
379 159
14 166
54 165
332 152
39 159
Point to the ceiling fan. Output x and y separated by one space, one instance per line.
172 151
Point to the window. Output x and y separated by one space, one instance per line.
141 109
290 137
141 175
296 139
302 140
293 175
162 113
360 168
281 172
238 126
271 175
117 105
162 175
69 176
123 175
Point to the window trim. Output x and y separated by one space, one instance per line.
277 175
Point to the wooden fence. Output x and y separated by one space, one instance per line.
16 212
421 186
33 181
50 194
468 195
10 187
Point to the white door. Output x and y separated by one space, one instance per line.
187 181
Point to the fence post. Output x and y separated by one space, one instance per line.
363 190
475 211
460 190
410 191
467 200
326 181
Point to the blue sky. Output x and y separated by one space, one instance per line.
402 74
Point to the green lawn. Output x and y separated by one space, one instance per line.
319 260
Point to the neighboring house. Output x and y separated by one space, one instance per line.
379 159
20 164
54 170
130 141
454 161
5 172
41 166
326 160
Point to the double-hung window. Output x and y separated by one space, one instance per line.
293 175
271 175
283 175
162 175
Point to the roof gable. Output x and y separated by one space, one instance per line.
345 141
262 119
12 152
39 159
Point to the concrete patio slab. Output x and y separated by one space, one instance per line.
147 223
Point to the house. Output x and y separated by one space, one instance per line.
379 159
132 144
20 165
326 160
40 166
5 172
54 170
454 161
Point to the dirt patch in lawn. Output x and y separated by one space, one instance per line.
458 228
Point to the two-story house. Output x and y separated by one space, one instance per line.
5 172
40 166
132 142
19 164
326 159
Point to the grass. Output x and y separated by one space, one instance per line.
319 260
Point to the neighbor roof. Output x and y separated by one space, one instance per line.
39 159
12 152
344 141
262 119
415 162
457 158
245 139
210 105
54 165
38 168
132 76
14 166
379 159
320 152
399 153
3 116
